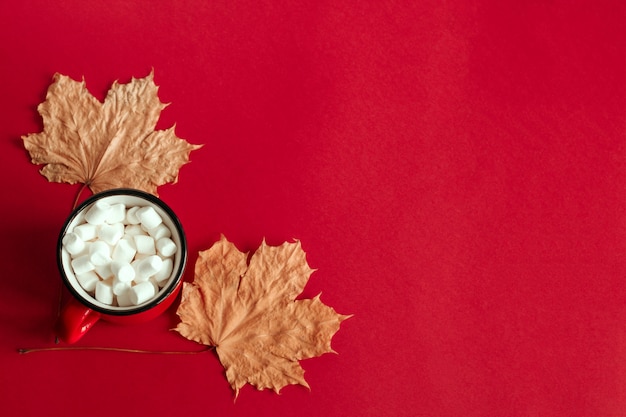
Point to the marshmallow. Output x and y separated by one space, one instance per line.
149 217
166 247
111 233
146 267
144 244
117 213
123 299
140 256
141 293
86 231
98 212
164 273
88 280
82 264
85 250
133 229
123 271
99 253
73 244
131 215
149 266
120 287
104 292
155 284
124 251
139 277
104 271
159 232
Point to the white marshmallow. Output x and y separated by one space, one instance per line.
150 265
123 271
98 212
124 251
99 246
144 244
164 273
111 233
120 287
99 253
104 271
99 259
85 250
140 256
155 284
138 277
166 247
160 231
88 280
82 264
133 229
86 231
117 213
104 292
131 215
123 299
73 244
149 217
141 293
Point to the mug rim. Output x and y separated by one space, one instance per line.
165 292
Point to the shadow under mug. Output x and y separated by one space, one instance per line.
82 310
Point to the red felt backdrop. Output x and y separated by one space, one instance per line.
455 171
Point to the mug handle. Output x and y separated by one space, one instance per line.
75 320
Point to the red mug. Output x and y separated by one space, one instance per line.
83 310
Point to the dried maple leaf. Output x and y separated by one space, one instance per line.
249 313
108 144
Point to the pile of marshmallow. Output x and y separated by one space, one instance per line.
121 256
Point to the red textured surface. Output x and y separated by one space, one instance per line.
455 171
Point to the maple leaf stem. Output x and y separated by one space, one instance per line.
23 351
78 194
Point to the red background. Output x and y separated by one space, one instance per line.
455 171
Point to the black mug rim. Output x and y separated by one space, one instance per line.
164 293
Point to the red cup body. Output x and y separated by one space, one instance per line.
82 311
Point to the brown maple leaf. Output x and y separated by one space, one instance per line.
108 144
249 313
